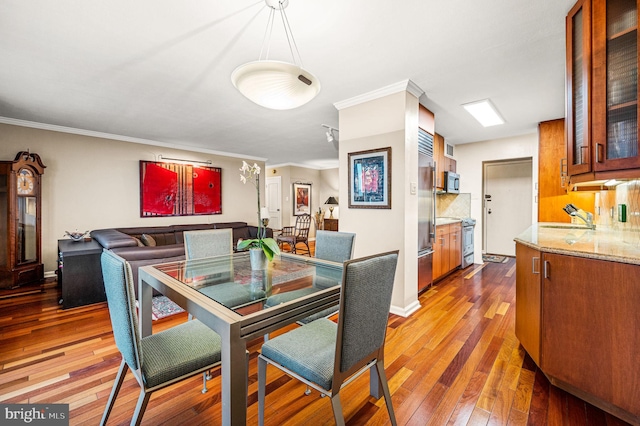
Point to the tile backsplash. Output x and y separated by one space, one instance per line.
606 209
453 205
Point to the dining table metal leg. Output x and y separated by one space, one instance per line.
234 378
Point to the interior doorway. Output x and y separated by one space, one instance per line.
273 198
507 203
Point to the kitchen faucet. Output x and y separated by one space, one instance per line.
572 210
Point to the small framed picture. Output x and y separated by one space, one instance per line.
301 198
370 179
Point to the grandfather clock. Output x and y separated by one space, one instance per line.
20 210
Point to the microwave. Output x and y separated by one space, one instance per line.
451 183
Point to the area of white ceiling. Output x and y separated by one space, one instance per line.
160 70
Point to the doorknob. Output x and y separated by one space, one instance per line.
489 211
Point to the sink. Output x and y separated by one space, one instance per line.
562 225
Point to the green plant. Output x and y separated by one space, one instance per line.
268 245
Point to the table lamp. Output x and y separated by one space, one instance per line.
331 202
264 216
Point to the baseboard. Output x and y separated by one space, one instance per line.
406 311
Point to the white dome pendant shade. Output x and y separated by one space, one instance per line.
276 84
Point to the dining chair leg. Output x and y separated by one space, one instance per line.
337 409
385 391
262 379
117 384
143 400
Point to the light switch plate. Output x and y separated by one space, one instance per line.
413 188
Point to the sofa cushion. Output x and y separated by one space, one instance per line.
163 235
148 240
112 238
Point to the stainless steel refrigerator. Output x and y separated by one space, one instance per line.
426 209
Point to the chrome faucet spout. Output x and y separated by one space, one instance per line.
588 220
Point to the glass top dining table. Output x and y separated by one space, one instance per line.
241 304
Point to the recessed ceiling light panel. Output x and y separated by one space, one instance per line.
485 112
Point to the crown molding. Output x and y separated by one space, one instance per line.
403 86
102 135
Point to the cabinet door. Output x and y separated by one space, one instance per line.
440 251
615 85
590 318
578 85
455 246
528 299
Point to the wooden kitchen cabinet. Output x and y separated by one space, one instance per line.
576 317
447 254
528 299
455 245
590 339
552 187
443 163
602 90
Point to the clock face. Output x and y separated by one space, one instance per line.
26 182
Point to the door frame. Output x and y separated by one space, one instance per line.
274 210
534 210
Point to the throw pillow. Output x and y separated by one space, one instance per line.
140 243
148 240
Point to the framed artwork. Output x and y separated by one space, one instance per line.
301 198
172 189
370 179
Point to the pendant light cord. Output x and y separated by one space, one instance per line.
266 41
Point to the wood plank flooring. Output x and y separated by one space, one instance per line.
455 361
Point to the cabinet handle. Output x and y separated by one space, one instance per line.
584 155
535 261
599 152
547 269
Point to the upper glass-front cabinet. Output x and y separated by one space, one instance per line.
602 86
578 88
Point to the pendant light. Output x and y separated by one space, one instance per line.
276 84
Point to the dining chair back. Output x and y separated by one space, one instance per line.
326 355
292 235
208 243
334 246
157 360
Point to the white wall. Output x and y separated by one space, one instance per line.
92 183
470 158
382 123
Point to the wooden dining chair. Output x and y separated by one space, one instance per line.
326 355
158 360
293 235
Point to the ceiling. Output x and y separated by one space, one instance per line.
159 71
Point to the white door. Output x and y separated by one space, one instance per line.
507 204
274 201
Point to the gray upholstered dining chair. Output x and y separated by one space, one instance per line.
208 243
326 355
160 359
332 246
336 247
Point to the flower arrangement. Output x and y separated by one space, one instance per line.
268 245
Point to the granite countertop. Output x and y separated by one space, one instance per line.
447 220
576 240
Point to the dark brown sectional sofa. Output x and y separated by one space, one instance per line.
169 242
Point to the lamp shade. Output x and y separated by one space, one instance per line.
274 84
331 200
264 213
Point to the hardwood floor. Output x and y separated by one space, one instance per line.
455 361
